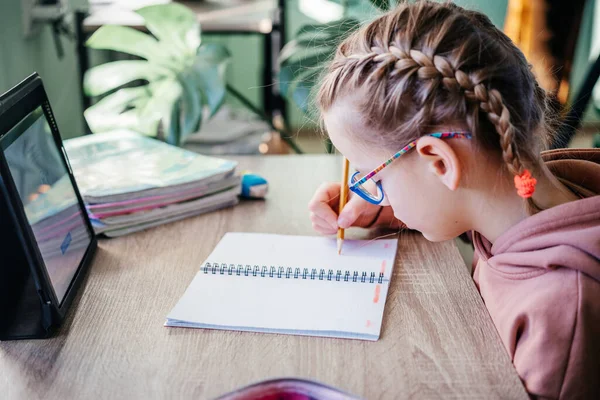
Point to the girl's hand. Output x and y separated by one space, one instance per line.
324 208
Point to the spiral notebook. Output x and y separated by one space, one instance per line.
295 285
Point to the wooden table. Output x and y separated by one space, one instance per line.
437 341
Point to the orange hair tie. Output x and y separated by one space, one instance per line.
525 184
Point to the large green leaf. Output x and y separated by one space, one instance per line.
318 36
173 24
306 56
130 41
121 110
209 74
126 40
191 108
160 105
213 53
302 88
171 126
140 108
211 81
111 121
381 4
301 64
119 101
163 95
303 48
105 77
346 3
333 29
318 41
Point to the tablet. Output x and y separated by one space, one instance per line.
46 237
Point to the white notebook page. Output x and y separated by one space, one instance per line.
220 298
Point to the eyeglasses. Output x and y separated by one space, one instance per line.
357 182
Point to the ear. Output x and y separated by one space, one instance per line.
442 160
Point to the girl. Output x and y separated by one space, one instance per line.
450 107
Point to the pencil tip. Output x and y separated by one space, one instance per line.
339 246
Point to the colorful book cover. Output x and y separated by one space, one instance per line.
122 162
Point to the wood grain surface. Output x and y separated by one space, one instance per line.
437 340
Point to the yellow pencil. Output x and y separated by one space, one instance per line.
343 200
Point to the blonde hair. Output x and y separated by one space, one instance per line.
427 64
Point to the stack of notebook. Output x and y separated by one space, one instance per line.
130 182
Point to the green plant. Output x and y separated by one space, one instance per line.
183 80
302 59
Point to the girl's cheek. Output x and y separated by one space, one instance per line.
386 196
400 200
393 198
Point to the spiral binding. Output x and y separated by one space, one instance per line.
289 273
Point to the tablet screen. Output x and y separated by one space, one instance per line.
49 199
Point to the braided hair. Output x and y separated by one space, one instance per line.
426 64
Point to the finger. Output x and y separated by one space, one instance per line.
328 192
317 219
368 216
352 211
326 213
323 229
320 203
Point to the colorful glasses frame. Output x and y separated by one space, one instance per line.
356 184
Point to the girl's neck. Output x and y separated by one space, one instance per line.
500 208
498 212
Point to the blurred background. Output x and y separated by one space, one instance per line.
240 84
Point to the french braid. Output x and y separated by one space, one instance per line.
422 74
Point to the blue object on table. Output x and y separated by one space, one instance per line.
254 186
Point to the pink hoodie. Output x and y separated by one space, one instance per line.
541 284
